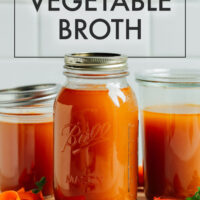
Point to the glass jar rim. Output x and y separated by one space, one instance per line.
180 76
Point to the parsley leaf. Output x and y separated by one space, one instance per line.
196 196
40 184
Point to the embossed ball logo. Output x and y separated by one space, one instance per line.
82 136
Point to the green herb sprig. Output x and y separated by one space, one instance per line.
196 196
40 184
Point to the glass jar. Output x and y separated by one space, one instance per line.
170 122
26 137
95 130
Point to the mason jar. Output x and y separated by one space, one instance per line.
95 130
170 122
26 137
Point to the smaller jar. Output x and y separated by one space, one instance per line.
170 124
95 130
26 137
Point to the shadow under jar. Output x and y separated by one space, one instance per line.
170 122
95 130
26 137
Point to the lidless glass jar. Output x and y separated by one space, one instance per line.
170 120
26 137
95 130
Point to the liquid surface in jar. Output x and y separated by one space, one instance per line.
95 156
26 155
171 150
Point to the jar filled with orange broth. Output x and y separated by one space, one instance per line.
95 130
170 125
26 137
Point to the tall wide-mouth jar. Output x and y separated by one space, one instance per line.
26 137
95 130
170 124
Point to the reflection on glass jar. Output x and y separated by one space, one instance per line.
96 131
170 120
26 137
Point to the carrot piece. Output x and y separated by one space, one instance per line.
21 195
22 190
30 196
9 195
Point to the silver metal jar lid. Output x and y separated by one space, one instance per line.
96 62
28 95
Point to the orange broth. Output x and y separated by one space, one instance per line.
26 155
95 155
171 150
